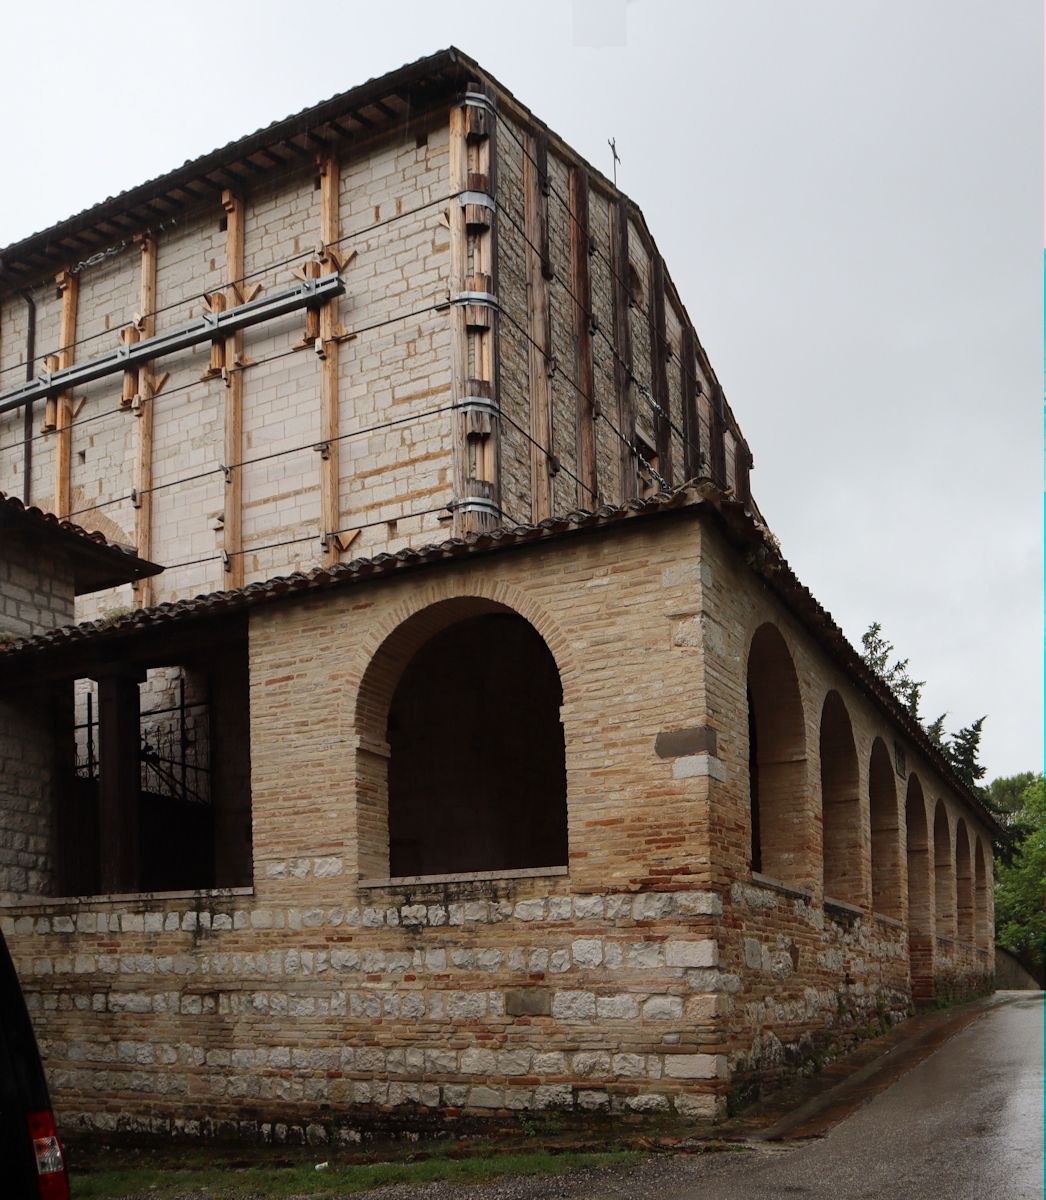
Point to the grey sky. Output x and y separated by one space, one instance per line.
848 196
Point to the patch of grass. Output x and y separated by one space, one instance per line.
302 1179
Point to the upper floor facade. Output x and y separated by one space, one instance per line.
408 312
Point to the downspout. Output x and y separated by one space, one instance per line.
27 415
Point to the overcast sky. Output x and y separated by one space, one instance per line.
847 194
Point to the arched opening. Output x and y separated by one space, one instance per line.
982 929
840 804
476 770
780 821
920 944
943 874
886 849
963 884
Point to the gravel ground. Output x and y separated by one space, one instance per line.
655 1178
658 1177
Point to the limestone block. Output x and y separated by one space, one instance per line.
573 1006
703 953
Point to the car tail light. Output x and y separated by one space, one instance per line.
50 1161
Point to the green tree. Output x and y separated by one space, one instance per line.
962 750
1020 916
1005 797
877 652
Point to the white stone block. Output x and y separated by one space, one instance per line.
704 953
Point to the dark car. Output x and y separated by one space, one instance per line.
32 1162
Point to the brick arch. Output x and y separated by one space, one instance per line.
920 929
840 804
782 828
886 834
943 873
981 899
409 633
964 893
427 604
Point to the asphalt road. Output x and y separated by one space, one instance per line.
965 1124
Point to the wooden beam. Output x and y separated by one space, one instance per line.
330 232
458 249
692 455
143 467
581 286
539 329
233 519
659 368
69 289
742 470
473 328
718 448
484 346
626 413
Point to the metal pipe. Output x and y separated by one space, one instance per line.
27 423
213 326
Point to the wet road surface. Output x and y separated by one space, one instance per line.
966 1123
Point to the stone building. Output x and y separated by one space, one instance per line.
476 750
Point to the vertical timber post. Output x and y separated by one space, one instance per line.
581 286
659 367
233 522
623 346
69 290
742 471
718 437
327 348
474 366
535 192
143 410
691 423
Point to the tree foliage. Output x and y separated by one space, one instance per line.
962 748
1020 916
877 652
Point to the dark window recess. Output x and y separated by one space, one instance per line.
477 772
158 790
777 762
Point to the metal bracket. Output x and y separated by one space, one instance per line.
480 100
478 404
208 328
487 298
483 199
226 471
475 504
324 449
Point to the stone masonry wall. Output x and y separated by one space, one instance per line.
591 987
36 590
654 972
28 776
395 367
36 594
803 965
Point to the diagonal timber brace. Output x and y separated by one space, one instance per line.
213 325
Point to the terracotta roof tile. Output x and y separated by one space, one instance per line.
741 526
